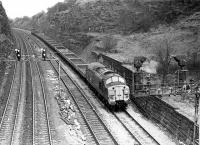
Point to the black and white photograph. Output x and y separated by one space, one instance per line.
99 72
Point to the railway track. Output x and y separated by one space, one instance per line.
135 129
25 118
93 121
139 133
8 124
87 132
10 115
24 134
41 123
98 132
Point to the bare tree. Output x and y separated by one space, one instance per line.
109 43
163 49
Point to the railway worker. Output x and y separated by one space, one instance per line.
44 53
186 88
171 89
198 87
148 86
17 51
192 85
159 91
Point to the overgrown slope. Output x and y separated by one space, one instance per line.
154 28
6 41
119 16
6 38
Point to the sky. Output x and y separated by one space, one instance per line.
20 8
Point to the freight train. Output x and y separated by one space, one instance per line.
110 86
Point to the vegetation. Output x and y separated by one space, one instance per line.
109 43
125 16
6 41
71 21
6 38
163 50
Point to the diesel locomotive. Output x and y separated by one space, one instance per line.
110 85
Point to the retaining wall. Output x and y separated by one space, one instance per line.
176 124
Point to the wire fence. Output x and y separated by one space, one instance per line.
183 82
166 89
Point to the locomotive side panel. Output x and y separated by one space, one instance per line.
109 84
96 82
120 69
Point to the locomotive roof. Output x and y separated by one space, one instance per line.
102 70
95 65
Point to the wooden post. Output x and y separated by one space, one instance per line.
59 78
133 85
196 115
198 110
178 78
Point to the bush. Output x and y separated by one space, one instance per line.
109 43
163 50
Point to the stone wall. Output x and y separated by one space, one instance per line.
162 113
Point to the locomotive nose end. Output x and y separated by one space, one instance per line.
119 93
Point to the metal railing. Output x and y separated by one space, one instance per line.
165 89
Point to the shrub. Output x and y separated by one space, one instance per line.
163 50
109 43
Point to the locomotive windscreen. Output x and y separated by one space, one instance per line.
115 79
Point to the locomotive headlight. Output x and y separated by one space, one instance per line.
111 94
126 91
111 97
126 94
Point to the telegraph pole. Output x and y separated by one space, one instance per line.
196 117
59 77
59 65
